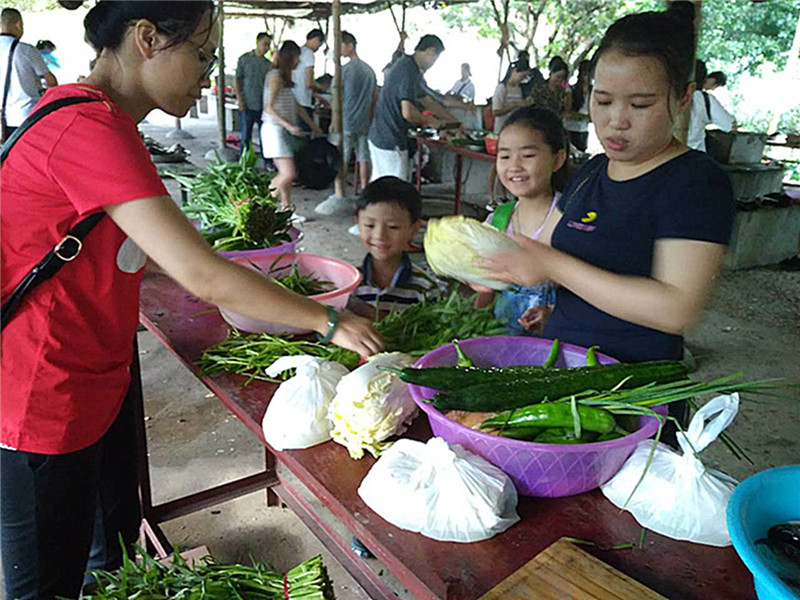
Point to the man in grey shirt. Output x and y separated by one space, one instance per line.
400 106
251 70
359 95
28 69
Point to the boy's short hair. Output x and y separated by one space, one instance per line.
392 189
263 35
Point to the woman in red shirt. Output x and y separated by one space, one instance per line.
67 456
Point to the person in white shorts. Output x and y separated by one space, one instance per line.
278 122
400 106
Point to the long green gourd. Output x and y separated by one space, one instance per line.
491 390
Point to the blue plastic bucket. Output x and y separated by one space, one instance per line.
765 499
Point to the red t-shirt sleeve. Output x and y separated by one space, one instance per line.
100 160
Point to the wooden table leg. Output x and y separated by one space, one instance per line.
459 165
149 530
154 515
272 474
419 166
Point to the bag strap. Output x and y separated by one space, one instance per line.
9 68
708 104
65 251
70 245
37 116
501 216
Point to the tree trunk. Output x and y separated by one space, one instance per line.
681 129
792 71
336 96
221 76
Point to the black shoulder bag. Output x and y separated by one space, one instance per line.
9 69
70 245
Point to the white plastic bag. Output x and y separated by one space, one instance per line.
297 415
679 497
443 492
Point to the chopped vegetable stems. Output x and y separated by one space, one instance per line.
414 330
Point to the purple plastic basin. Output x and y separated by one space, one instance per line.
295 236
550 470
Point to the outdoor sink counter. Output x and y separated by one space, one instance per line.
429 569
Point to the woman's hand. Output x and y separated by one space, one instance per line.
526 265
294 130
358 335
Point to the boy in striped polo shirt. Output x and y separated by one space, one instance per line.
389 211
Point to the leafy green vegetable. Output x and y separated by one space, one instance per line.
232 204
415 330
211 581
251 354
422 327
305 285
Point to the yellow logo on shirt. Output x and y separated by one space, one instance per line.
590 216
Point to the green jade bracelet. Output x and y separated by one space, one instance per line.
333 322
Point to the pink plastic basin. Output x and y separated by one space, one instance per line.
295 235
550 470
343 276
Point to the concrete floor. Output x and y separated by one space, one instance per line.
752 325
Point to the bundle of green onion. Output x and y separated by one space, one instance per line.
209 580
639 402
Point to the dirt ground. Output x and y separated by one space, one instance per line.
752 325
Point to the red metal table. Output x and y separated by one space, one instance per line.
460 153
429 569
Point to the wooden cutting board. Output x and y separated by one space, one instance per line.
562 571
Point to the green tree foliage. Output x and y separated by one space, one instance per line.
31 5
740 35
573 27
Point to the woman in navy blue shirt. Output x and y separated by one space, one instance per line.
640 232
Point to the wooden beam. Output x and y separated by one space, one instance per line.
221 77
318 8
336 105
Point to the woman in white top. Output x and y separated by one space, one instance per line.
706 110
278 121
508 94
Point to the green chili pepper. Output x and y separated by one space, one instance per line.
564 435
591 356
463 359
553 415
553 356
